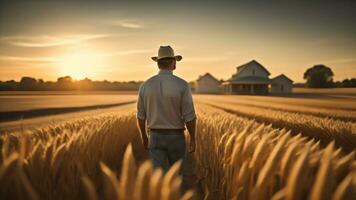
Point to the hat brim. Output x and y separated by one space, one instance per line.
178 58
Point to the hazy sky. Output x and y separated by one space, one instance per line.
114 41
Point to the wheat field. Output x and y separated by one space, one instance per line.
243 151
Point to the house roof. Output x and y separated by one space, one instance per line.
207 75
283 76
252 62
250 80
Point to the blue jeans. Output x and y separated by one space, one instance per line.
165 150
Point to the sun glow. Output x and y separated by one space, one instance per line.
80 65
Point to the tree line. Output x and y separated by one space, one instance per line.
66 83
321 76
318 76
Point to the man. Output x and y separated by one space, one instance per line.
165 103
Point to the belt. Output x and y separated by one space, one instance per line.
167 131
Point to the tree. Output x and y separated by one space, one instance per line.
8 85
64 79
319 76
85 84
353 82
65 83
28 83
349 82
40 81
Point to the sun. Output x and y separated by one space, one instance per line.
80 65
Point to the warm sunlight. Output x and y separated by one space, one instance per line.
80 65
183 99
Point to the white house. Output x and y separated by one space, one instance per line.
253 78
207 84
281 84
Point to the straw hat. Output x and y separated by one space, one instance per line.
166 52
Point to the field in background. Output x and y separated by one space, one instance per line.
37 100
66 92
248 147
20 106
325 119
346 92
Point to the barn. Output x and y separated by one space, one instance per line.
281 84
207 84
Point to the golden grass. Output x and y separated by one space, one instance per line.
346 104
55 158
236 158
323 129
81 159
294 105
247 160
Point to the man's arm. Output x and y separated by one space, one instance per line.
191 129
188 113
141 117
141 124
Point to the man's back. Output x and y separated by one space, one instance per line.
165 105
165 101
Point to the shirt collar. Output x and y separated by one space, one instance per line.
164 71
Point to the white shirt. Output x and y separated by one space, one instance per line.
165 101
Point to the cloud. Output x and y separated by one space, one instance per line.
342 60
49 41
332 41
207 59
29 59
228 55
56 59
132 52
130 23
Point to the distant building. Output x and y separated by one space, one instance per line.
253 78
281 84
207 84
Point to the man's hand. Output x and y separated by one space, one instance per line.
191 129
141 124
192 146
145 143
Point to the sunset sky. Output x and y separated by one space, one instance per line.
115 41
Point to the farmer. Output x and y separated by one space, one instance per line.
165 104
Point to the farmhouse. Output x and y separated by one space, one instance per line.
250 78
253 78
207 83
